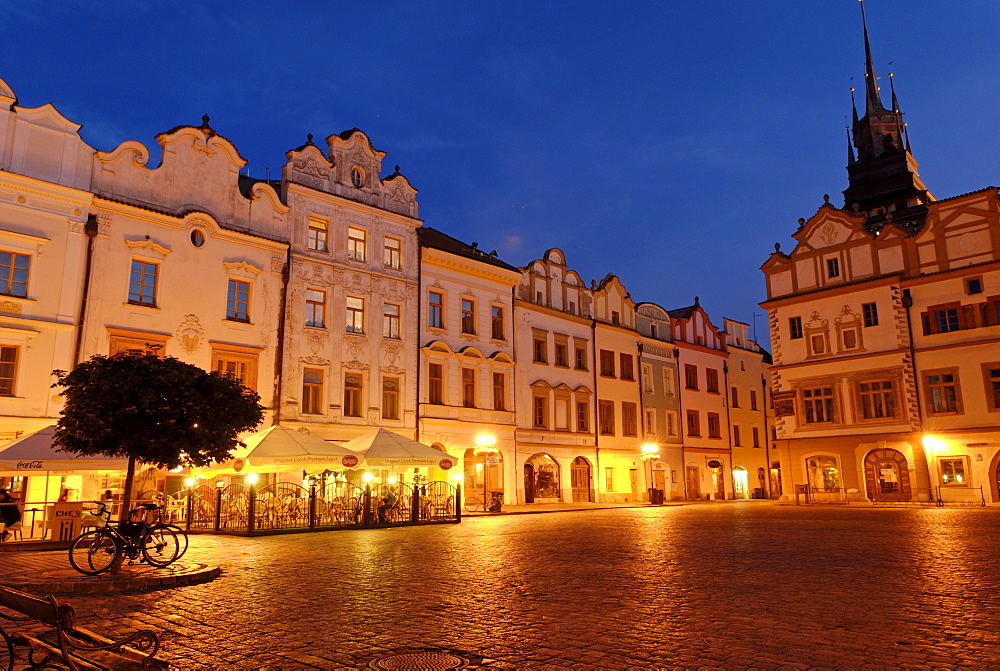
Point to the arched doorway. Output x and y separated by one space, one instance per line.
741 483
582 479
886 476
541 479
775 479
483 472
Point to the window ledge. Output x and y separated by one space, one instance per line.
141 308
238 323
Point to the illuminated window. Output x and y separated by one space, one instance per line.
496 321
609 479
823 473
390 398
8 370
817 405
606 417
468 316
436 387
499 391
352 395
627 372
355 315
317 234
141 287
435 310
14 274
315 308
238 301
390 321
357 244
393 253
629 419
469 387
952 471
312 391
877 399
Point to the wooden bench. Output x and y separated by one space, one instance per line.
65 645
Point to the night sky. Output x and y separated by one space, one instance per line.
671 143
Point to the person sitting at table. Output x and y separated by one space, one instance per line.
64 497
9 514
388 501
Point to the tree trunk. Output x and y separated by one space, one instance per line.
126 506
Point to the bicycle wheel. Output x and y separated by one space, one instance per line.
160 546
94 552
473 504
182 539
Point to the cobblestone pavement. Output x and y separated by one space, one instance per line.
728 585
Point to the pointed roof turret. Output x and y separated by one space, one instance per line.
873 103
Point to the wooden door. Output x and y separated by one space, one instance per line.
581 478
693 483
529 483
634 478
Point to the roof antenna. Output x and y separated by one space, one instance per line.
268 173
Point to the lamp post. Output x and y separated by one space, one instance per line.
485 446
650 451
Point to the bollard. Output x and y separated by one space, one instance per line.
366 515
458 502
251 508
190 507
218 508
415 505
312 505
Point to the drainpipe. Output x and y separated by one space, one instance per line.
420 306
641 419
597 403
513 382
90 229
729 424
908 303
681 419
767 438
279 351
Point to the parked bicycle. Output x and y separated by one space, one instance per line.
96 551
491 502
160 517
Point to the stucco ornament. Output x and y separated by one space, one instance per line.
190 333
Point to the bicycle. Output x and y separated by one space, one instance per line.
157 522
96 551
477 502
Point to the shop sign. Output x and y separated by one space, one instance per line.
29 464
715 463
349 460
445 464
238 465
493 460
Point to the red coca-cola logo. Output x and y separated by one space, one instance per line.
445 464
349 460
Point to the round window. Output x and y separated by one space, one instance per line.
197 237
358 177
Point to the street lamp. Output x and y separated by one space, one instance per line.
650 451
486 447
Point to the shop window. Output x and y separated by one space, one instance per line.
953 471
823 473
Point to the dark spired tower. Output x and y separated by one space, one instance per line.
883 179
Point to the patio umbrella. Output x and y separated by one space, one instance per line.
36 453
385 448
279 449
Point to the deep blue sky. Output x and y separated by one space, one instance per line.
671 143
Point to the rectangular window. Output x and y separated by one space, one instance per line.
734 397
849 338
539 412
435 385
736 436
392 257
991 374
238 301
312 391
468 316
690 376
795 328
629 419
469 387
694 423
352 395
668 382
581 358
355 315
317 234
817 344
974 285
390 398
607 363
562 354
650 421
870 312
823 473
499 391
953 471
615 318
671 423
390 321
540 347
756 436
818 405
8 370
833 268
712 380
315 308
647 378
435 310
239 362
609 479
714 425
496 323
582 416
877 399
946 320
626 367
606 417
942 392
753 399
141 286
14 275
357 243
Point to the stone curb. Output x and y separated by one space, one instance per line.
148 578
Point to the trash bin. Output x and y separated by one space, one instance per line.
656 497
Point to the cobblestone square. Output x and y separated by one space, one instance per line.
725 585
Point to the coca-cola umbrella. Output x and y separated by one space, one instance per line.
37 453
385 448
279 449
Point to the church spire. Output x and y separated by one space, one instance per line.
872 102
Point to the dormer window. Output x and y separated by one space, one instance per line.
357 177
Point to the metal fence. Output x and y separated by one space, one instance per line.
285 506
